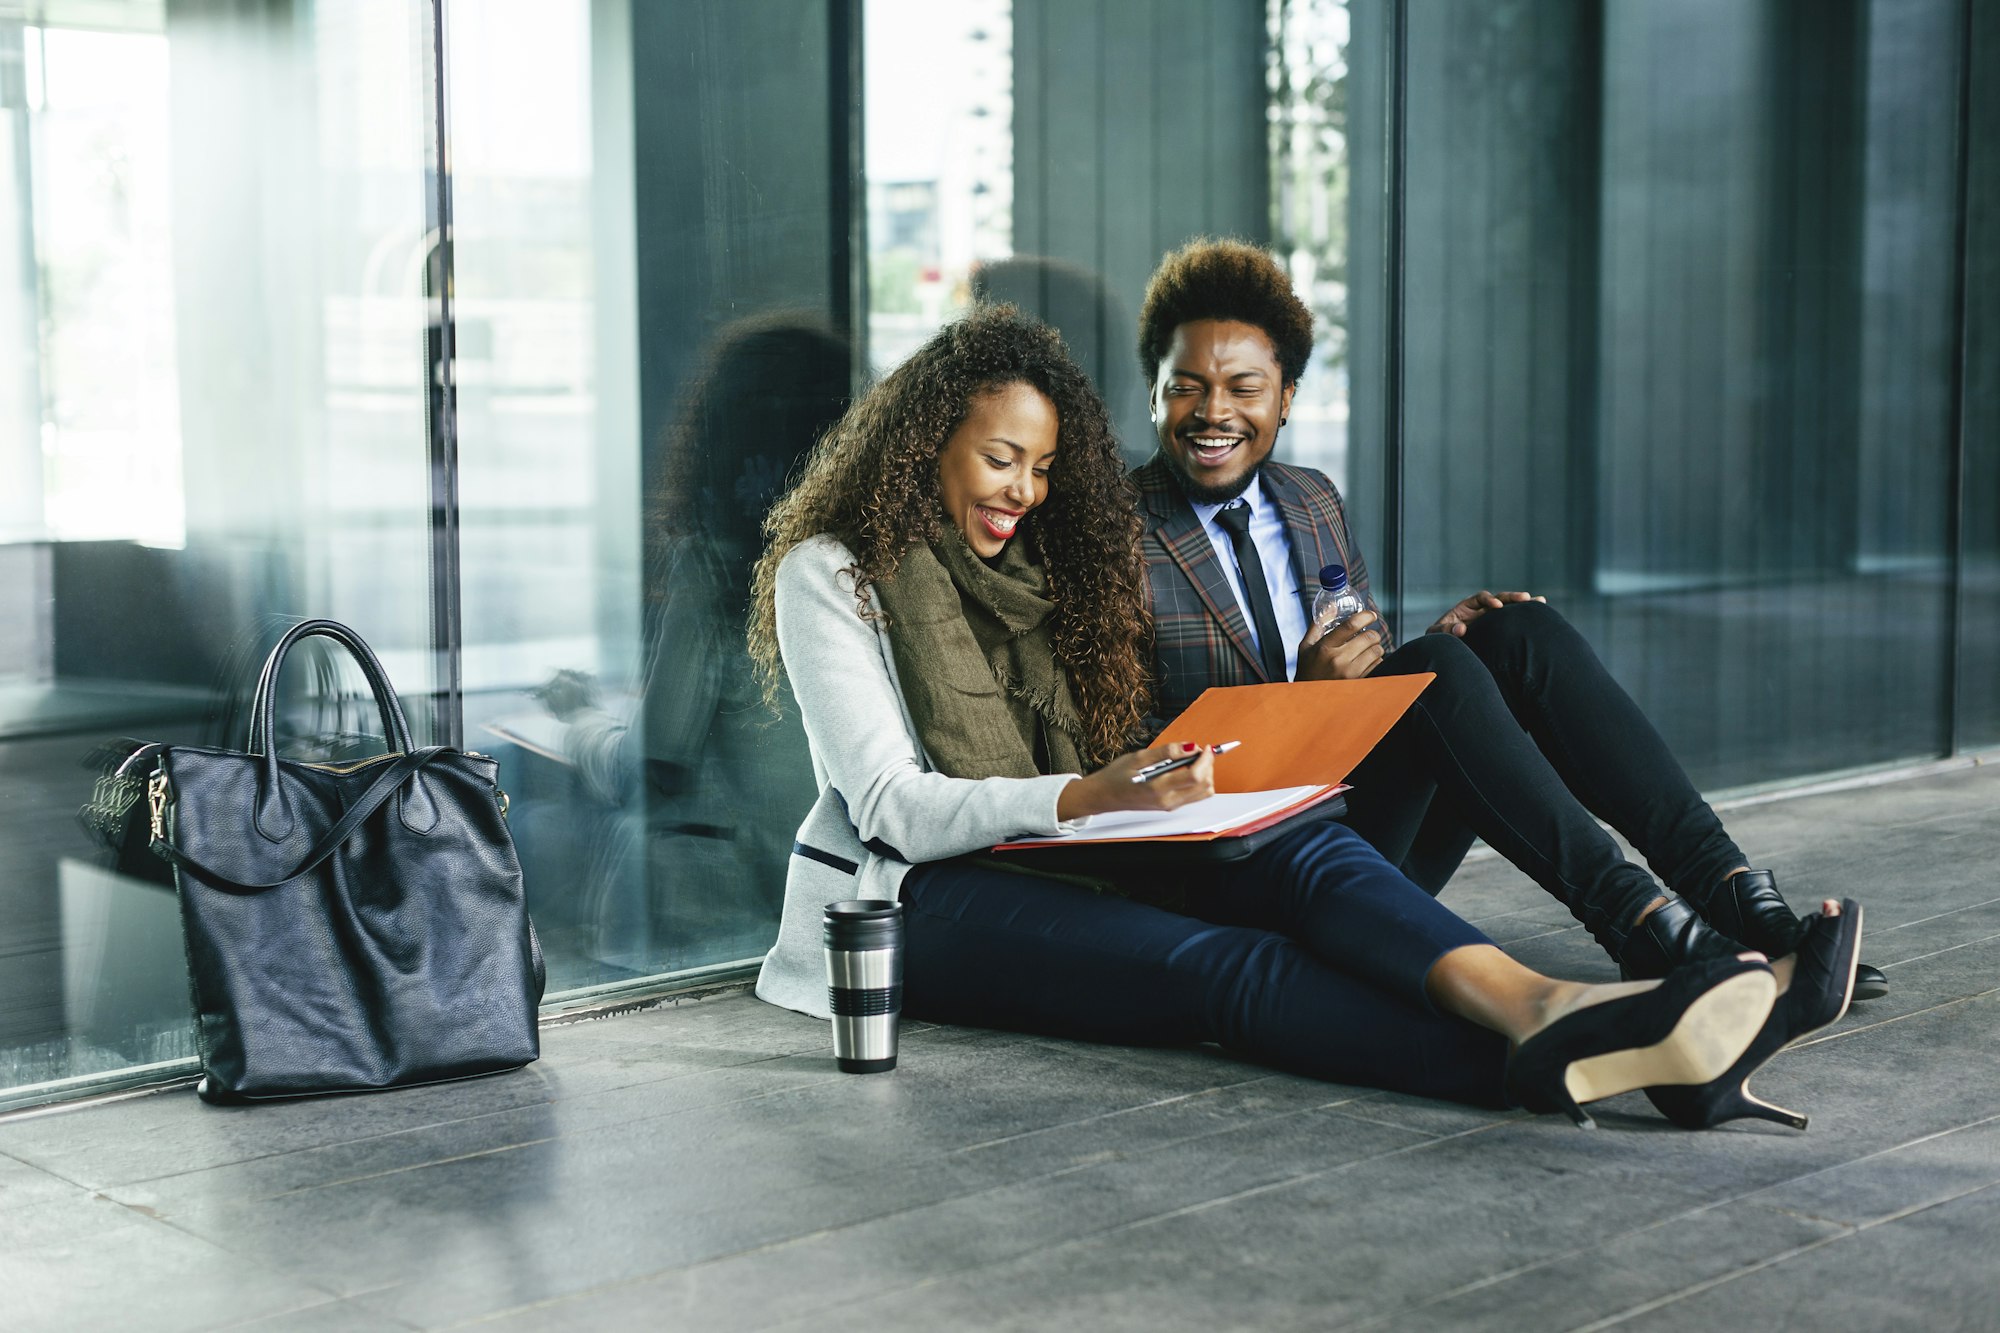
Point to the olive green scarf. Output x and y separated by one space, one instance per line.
977 665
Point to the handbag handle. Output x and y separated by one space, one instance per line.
264 705
371 800
274 816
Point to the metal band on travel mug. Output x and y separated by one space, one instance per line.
864 982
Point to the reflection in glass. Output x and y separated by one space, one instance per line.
691 788
1078 303
1306 73
94 185
655 811
212 421
1680 331
548 445
606 563
940 155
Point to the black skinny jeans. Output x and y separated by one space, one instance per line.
1520 740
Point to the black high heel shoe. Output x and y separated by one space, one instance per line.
1748 907
1822 987
1668 937
1688 1029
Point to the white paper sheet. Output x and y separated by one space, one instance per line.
1217 814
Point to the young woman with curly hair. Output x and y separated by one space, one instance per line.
953 589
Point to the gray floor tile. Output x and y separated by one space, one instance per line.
1930 1270
704 1165
975 1228
746 1178
329 1317
1918 1174
140 1276
1567 1288
21 1185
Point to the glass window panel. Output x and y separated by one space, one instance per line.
650 336
100 187
1679 351
550 467
1979 484
215 421
1311 175
1124 144
940 155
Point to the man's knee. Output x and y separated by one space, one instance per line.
1442 654
1517 627
1466 691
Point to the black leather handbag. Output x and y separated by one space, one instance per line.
349 927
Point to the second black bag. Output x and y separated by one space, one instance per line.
351 926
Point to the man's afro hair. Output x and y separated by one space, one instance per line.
1226 279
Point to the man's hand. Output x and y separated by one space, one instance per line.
1455 620
1348 651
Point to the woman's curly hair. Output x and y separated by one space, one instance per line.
872 483
1207 279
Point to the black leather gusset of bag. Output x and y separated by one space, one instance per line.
349 927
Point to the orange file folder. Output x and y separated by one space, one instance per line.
1299 740
1298 732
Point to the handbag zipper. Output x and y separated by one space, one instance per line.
371 759
356 766
156 803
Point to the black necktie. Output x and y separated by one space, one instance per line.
1234 519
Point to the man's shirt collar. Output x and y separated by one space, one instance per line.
1253 495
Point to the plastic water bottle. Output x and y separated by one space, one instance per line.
1335 601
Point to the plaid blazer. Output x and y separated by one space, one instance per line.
1201 637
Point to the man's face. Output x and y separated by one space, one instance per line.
1218 401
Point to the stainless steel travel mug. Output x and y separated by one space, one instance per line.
864 982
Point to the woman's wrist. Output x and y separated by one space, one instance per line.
1078 800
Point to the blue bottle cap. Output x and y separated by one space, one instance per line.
1333 576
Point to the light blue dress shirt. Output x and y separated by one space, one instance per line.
1274 548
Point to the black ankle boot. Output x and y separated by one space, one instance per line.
1748 907
1670 936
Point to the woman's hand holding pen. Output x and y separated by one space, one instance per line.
1112 787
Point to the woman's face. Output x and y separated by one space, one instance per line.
995 466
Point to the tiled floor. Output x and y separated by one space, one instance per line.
704 1166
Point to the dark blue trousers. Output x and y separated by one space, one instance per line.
1309 955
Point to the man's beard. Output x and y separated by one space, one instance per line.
1211 495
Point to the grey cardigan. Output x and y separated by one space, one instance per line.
880 807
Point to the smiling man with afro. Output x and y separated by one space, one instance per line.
1522 736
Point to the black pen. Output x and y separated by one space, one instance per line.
1151 771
